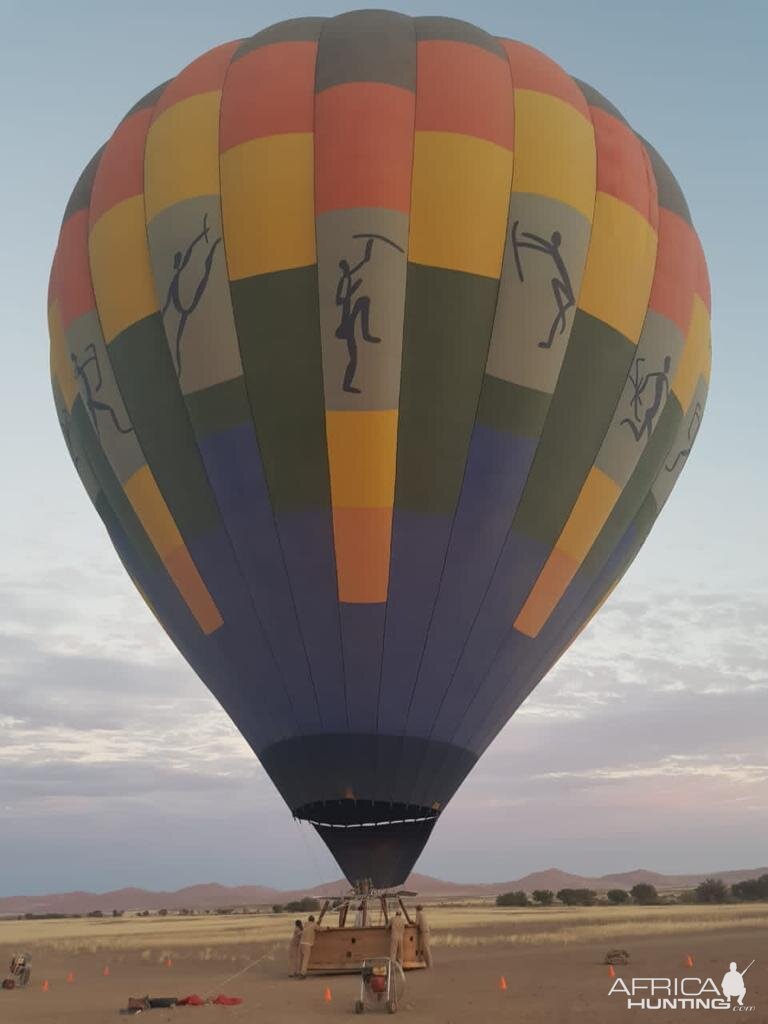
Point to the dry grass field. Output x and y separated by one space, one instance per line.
551 959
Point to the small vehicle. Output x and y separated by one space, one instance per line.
382 984
21 969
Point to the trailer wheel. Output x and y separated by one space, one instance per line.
392 1006
359 1006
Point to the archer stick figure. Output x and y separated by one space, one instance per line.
660 379
94 405
693 429
347 329
174 297
561 285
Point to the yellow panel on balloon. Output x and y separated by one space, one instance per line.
361 456
268 204
695 360
554 151
593 506
120 268
459 202
620 264
182 153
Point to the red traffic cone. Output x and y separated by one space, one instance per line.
327 995
611 972
689 961
502 984
105 972
169 962
45 985
71 977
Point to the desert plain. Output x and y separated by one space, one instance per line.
550 958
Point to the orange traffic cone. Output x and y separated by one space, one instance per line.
689 961
71 977
105 972
502 984
611 972
169 962
327 995
45 985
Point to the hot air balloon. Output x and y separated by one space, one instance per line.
378 344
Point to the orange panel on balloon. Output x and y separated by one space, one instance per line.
676 270
536 72
184 574
362 538
73 271
206 74
547 590
623 168
270 91
464 89
363 147
121 169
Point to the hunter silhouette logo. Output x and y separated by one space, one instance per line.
733 983
688 993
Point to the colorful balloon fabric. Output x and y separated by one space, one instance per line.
378 344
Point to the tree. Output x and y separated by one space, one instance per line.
577 897
512 899
751 889
163 912
304 905
618 895
544 897
644 894
712 890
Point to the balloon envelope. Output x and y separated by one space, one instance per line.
378 344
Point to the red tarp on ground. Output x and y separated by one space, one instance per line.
220 1000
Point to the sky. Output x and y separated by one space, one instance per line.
645 746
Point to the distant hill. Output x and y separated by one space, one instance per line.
210 896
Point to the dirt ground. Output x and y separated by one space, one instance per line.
545 985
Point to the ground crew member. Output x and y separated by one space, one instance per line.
306 942
423 925
396 933
293 949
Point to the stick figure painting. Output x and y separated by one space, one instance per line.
91 388
174 295
561 284
643 416
359 310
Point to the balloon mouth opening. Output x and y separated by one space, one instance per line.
350 813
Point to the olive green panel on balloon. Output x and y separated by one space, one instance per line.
219 407
510 407
351 50
593 375
151 394
448 321
277 324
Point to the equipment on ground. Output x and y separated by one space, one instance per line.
20 971
382 985
379 344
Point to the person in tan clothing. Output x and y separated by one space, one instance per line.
423 925
306 942
293 949
396 933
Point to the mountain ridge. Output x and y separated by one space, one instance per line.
212 895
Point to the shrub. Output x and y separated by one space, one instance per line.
544 897
618 896
712 890
644 894
751 889
577 897
512 899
